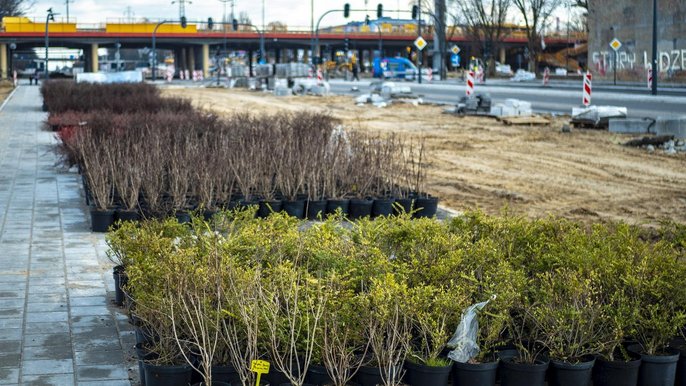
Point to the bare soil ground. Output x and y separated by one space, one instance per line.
5 90
482 163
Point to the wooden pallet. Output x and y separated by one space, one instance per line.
532 120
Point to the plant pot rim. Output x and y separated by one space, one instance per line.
588 363
482 366
672 356
538 363
426 368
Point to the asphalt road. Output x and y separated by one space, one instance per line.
558 99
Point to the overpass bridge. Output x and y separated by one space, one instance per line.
192 45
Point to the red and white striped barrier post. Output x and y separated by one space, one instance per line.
14 78
587 89
470 83
182 75
309 73
188 75
650 77
170 74
546 77
320 76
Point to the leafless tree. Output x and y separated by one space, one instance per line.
535 14
484 22
14 7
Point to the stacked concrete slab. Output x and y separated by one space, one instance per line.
671 126
512 108
632 126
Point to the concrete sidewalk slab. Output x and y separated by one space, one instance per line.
57 322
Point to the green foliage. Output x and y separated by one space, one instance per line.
396 288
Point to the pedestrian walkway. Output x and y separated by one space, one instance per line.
57 322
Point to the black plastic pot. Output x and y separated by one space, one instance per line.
144 336
183 217
276 377
658 370
167 375
101 220
359 208
227 374
315 209
402 205
369 376
426 207
208 214
382 207
681 366
332 205
317 375
120 280
214 383
474 374
616 373
420 375
127 215
268 207
143 354
523 374
571 374
294 208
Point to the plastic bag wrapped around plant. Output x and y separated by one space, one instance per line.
464 340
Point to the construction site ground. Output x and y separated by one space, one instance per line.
5 89
481 163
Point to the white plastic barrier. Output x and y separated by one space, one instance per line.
110 77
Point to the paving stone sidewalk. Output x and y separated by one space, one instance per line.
57 322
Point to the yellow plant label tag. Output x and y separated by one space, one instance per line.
260 367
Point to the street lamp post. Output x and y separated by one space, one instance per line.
154 49
656 70
50 16
419 33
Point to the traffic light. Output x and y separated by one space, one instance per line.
184 23
415 11
346 10
210 23
379 11
234 24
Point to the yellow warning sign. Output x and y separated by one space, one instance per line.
420 43
615 44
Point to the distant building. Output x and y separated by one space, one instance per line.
631 22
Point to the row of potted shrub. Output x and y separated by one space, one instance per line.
162 162
384 301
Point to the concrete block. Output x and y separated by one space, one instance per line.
282 91
631 126
671 126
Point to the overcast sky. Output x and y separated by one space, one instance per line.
293 12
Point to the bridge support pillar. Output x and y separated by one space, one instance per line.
95 66
3 61
191 58
502 55
182 63
206 60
